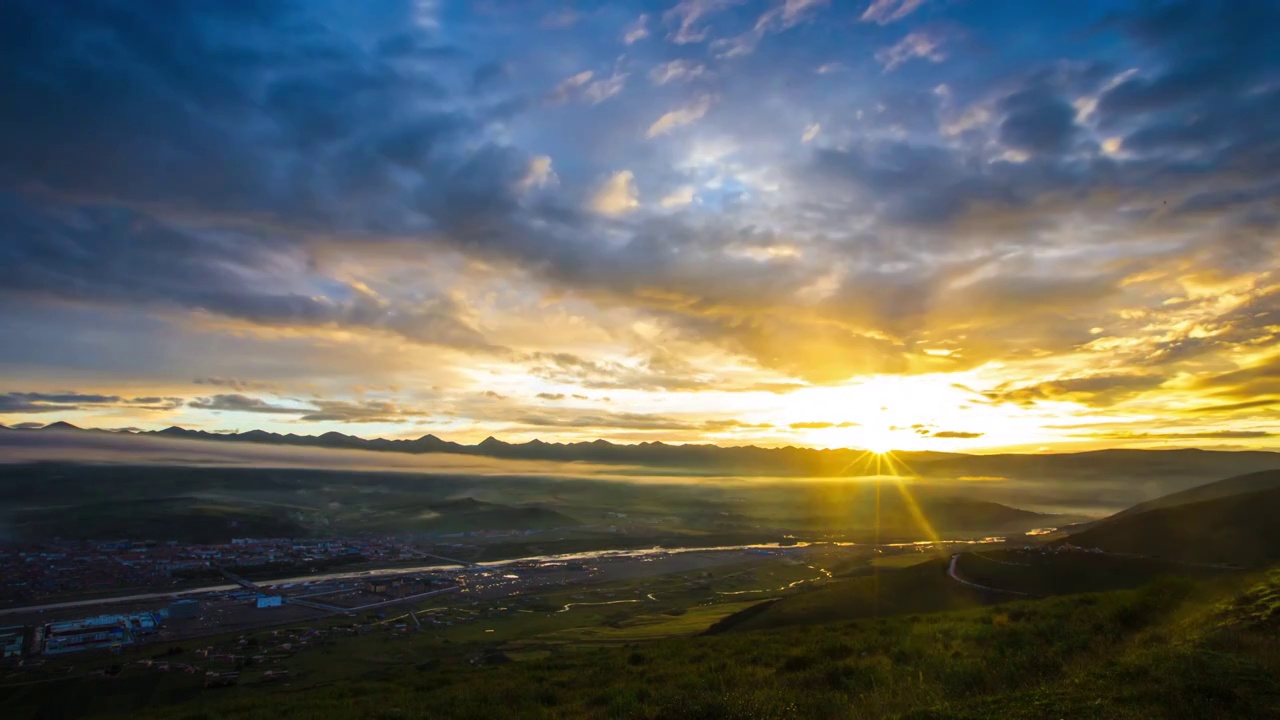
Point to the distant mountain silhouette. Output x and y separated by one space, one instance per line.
712 458
1179 468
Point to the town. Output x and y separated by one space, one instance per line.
361 601
43 572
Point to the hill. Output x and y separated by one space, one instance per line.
1169 649
927 587
1238 485
1234 530
923 588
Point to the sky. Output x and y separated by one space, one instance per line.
962 225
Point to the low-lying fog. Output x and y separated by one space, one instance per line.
1103 493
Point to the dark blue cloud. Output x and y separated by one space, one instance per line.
1038 121
186 156
36 402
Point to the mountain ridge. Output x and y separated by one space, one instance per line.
710 458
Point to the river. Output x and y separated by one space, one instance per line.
567 557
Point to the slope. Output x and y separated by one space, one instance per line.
1238 485
1163 651
1235 530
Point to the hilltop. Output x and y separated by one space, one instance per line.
1238 529
1238 485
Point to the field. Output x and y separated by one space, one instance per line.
956 630
753 638
1169 649
214 504
636 600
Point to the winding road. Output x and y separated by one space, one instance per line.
954 575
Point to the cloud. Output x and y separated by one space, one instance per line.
883 12
236 384
744 44
658 371
811 425
775 20
788 14
14 403
569 87
595 422
539 174
123 257
676 71
920 44
957 435
245 404
603 89
1198 435
618 195
316 410
811 132
681 116
679 197
359 185
1233 407
1038 121
636 31
365 411
566 18
686 16
551 396
1102 389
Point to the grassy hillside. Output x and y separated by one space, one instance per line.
1168 650
921 588
1238 485
1236 530
925 587
1040 574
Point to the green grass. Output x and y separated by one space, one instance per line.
1041 574
921 588
650 627
1174 648
1166 650
907 643
906 559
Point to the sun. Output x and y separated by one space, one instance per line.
878 440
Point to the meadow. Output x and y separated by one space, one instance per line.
904 643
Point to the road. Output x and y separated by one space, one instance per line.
954 575
396 571
115 600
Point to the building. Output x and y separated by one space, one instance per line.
184 610
12 642
93 633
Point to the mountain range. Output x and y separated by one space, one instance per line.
754 460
